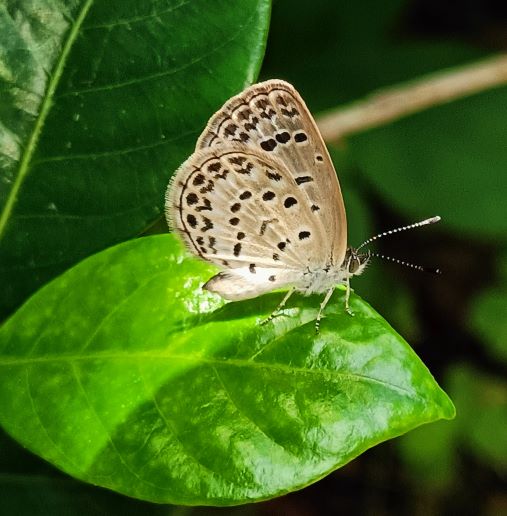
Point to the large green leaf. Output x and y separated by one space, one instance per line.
99 102
123 372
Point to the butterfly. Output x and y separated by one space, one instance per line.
260 198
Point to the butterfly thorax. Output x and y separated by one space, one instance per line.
316 281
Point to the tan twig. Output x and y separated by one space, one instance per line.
396 102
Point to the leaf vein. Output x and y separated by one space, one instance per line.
170 426
158 75
136 19
200 360
116 152
107 434
44 111
245 415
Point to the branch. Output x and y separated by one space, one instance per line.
396 102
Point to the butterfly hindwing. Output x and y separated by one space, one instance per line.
241 208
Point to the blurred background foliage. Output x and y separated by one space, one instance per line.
450 160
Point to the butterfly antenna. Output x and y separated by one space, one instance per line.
425 222
432 270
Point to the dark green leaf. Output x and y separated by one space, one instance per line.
488 318
449 160
481 400
123 372
430 454
101 101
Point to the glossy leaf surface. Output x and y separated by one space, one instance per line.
123 372
100 102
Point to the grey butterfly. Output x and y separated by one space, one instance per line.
260 198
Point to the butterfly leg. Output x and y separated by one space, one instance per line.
347 296
322 306
278 308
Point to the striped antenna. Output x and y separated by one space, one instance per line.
406 264
425 222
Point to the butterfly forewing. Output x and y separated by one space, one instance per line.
272 119
239 207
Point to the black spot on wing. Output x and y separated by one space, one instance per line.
231 129
212 241
237 249
268 145
274 176
192 221
303 235
282 137
208 188
234 221
268 196
245 195
237 160
214 167
300 137
289 202
207 224
192 199
291 113
198 180
303 179
205 206
247 169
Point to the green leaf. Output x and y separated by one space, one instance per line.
101 101
124 373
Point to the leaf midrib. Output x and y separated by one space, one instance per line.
200 360
41 118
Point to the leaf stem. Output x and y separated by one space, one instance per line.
392 103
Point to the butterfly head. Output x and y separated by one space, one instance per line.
355 262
